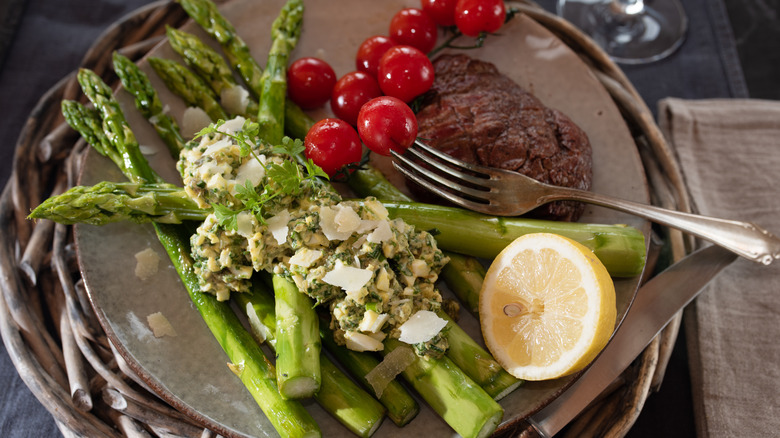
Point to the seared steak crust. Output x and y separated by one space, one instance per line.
475 113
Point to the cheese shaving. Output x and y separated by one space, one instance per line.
421 327
391 366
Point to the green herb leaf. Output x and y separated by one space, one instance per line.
226 217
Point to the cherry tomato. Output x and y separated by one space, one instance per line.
351 92
310 82
332 144
441 11
476 16
413 27
386 123
405 72
370 52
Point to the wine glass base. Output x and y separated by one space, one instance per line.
629 39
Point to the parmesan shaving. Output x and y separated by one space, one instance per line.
160 325
359 342
391 366
232 126
382 233
147 262
421 327
193 120
260 330
277 225
235 99
348 278
305 257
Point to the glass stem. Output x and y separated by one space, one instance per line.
628 8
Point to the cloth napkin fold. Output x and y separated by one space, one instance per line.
729 152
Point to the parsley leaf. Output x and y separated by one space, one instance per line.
226 217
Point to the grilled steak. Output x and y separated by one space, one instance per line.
475 113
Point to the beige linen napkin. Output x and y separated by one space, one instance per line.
729 152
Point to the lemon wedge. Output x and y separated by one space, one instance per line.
547 307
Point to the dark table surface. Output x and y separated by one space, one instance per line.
730 52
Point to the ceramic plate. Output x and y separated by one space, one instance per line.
189 370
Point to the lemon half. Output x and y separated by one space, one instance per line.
547 307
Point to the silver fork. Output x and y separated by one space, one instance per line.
501 192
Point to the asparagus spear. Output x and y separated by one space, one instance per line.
285 31
289 418
148 103
188 86
210 66
297 341
118 133
88 122
464 276
338 395
208 17
477 363
401 406
466 407
620 247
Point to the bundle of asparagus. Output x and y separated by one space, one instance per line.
461 386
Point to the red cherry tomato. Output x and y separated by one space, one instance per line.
476 16
310 82
405 72
441 11
370 52
413 27
386 123
351 92
332 144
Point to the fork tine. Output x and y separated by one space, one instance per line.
479 181
474 168
429 176
463 202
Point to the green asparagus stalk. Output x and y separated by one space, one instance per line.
289 418
477 363
339 395
620 247
464 276
285 31
297 341
208 17
209 65
148 102
466 407
115 127
101 203
89 123
206 62
401 406
188 86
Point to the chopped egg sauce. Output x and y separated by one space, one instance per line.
372 271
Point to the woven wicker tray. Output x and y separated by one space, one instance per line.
62 353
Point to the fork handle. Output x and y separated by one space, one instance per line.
743 238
